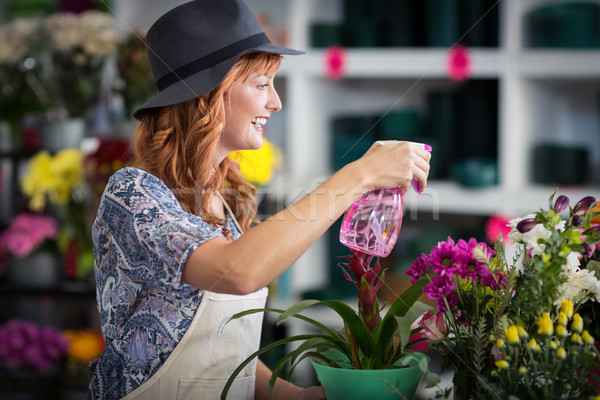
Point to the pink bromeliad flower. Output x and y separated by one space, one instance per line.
368 281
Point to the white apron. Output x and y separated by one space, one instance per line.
208 353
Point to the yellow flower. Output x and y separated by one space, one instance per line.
500 343
502 364
512 334
522 370
554 344
587 338
545 326
562 318
533 345
576 338
52 179
567 307
522 332
257 165
561 331
577 323
561 353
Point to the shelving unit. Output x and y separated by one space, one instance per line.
550 95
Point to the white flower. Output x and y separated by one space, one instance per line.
581 286
92 31
17 38
572 265
532 238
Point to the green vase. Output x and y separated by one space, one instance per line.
381 384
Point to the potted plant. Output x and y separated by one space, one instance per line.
30 243
507 318
376 347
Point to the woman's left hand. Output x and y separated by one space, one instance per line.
311 393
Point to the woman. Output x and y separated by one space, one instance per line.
177 248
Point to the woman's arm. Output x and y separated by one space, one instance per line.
283 390
264 252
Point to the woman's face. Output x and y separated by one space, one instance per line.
247 110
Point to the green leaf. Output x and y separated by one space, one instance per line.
432 380
260 351
363 337
297 308
324 328
403 331
424 364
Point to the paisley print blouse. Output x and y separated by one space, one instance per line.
142 238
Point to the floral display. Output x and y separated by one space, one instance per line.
27 233
368 340
25 345
507 318
79 46
257 166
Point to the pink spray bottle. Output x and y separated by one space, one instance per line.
373 222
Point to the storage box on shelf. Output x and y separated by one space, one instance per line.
544 95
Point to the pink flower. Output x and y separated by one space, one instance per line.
26 232
434 325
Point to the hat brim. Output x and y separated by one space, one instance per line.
203 81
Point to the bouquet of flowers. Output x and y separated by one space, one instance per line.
27 233
79 46
507 318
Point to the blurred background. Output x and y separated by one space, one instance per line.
506 92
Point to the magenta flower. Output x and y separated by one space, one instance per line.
439 287
419 268
445 256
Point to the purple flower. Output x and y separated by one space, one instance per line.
439 287
561 204
451 299
584 204
526 225
418 268
445 256
25 345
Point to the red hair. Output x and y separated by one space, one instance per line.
177 144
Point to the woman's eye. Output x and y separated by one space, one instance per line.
262 86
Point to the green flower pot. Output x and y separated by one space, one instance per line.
381 384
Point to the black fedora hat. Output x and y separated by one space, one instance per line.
192 48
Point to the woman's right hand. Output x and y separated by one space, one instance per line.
389 164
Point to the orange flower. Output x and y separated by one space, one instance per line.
85 345
596 208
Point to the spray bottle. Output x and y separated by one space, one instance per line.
373 222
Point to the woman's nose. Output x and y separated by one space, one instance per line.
274 103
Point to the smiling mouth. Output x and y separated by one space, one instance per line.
259 122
